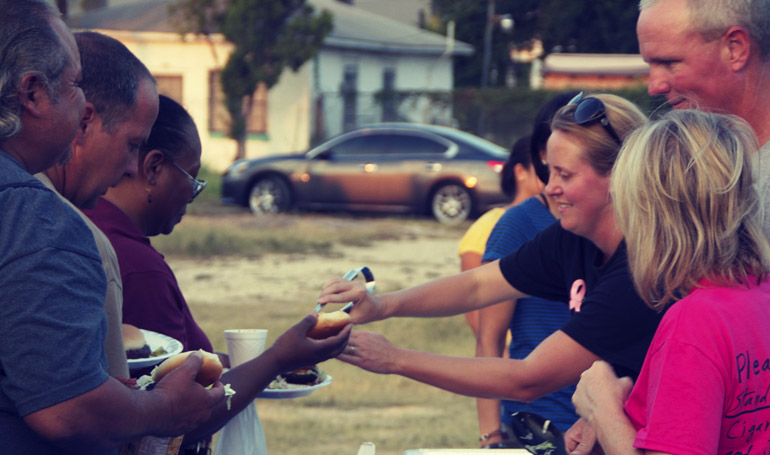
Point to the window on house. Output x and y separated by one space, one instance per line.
219 117
349 96
389 105
171 86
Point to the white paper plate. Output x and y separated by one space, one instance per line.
156 340
295 391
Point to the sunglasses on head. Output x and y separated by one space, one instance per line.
589 110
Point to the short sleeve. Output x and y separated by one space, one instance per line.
475 238
536 268
52 321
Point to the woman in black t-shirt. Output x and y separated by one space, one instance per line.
581 259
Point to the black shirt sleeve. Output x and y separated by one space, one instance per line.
536 268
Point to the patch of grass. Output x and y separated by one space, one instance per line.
240 233
200 237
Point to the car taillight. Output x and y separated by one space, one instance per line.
496 166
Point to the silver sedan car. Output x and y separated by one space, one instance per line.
398 167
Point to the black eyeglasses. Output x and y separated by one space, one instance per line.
589 110
197 184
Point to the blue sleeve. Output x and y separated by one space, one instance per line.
52 321
517 226
512 230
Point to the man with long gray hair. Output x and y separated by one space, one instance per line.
55 394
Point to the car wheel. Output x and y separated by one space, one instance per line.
269 195
451 204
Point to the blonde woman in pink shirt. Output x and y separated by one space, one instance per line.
685 200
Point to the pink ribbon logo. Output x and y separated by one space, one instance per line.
576 295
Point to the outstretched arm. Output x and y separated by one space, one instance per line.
554 364
456 294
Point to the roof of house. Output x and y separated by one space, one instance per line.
354 27
630 64
407 11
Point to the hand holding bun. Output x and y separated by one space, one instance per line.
329 324
210 371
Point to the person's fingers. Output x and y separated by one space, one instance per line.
331 283
335 344
308 322
626 385
581 449
217 390
192 364
340 291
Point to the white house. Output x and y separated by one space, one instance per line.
365 58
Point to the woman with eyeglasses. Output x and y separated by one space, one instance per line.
704 260
152 203
580 260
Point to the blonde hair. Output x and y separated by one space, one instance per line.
684 199
600 149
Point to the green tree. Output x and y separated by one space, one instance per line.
603 26
268 36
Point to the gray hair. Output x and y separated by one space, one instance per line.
712 17
111 77
28 45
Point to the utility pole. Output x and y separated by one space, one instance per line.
488 29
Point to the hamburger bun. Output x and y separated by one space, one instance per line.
134 343
133 338
329 324
210 371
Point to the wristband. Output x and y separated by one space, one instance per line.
487 436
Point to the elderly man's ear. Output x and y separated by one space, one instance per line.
32 94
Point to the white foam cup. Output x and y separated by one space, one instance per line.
244 344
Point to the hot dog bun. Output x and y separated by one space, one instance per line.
210 371
329 324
